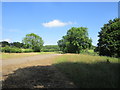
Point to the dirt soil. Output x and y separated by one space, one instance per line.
33 72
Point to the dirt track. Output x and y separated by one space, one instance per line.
9 65
26 59
36 69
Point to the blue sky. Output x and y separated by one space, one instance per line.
51 20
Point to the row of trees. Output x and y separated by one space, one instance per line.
31 42
76 40
14 44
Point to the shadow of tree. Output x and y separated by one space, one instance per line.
37 77
86 75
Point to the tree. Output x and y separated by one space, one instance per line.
109 39
75 41
4 43
17 44
33 41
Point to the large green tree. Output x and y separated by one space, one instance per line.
109 39
75 41
33 41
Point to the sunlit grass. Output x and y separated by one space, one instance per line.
85 58
88 71
5 56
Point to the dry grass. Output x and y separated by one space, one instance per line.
10 68
6 56
85 71
35 74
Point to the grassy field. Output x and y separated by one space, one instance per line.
6 56
88 71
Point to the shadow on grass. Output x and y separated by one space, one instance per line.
36 77
83 75
97 75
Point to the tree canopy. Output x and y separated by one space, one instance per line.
75 41
109 39
4 43
33 41
17 44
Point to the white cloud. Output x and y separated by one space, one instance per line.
56 23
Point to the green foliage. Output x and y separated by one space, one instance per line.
33 41
50 48
89 52
8 49
27 50
109 39
76 40
13 44
17 44
4 43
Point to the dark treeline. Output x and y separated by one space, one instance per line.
14 47
17 46
13 44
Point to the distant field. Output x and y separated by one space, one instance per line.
88 71
5 56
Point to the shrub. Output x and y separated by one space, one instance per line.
5 49
8 49
50 48
27 50
89 51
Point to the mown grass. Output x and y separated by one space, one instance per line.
88 71
5 56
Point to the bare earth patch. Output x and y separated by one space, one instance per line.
35 73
